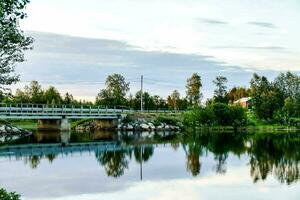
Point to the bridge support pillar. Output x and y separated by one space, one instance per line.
53 125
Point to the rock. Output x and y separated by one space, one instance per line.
144 126
160 127
2 128
167 127
151 126
15 130
129 127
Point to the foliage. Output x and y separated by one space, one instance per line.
216 114
237 93
170 120
13 42
175 102
115 91
4 195
220 92
266 98
193 87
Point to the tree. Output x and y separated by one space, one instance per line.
115 92
34 92
173 100
193 87
266 98
52 96
13 42
221 90
237 93
288 84
68 99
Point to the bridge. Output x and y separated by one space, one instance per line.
56 116
25 150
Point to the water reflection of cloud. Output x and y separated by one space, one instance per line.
232 186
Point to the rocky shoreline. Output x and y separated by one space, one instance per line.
142 125
10 132
135 126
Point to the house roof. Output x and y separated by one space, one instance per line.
243 100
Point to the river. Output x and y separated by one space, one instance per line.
196 165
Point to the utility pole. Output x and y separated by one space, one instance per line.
142 93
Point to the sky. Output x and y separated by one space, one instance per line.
79 42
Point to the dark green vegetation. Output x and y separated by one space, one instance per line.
216 114
4 195
13 41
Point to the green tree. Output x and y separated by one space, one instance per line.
52 96
220 92
13 42
193 87
35 92
173 100
237 93
288 84
68 99
266 99
115 92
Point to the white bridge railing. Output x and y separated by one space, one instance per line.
43 111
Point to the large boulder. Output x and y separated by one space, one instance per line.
144 126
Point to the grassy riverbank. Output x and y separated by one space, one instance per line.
172 118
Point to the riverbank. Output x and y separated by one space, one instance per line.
158 122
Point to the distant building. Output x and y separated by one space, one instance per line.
244 102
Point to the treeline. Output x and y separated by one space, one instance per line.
35 94
273 101
276 101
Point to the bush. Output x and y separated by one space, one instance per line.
216 114
167 120
4 195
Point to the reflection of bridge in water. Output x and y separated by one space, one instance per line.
26 150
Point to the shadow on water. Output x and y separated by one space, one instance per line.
276 155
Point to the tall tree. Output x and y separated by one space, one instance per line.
115 92
52 96
288 84
265 97
174 99
221 90
68 99
13 41
193 87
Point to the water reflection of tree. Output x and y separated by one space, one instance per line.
114 162
193 149
33 161
220 144
278 155
143 153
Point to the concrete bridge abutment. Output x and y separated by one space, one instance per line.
54 125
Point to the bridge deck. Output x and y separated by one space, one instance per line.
40 111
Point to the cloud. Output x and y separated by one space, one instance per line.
262 24
273 48
212 21
81 65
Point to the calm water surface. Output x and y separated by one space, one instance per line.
83 166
